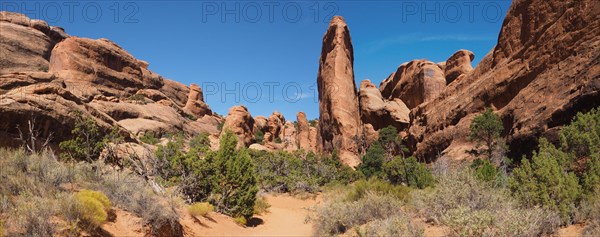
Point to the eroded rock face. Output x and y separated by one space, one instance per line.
340 126
313 138
195 104
240 122
26 44
303 132
260 124
290 135
378 112
96 78
275 124
458 64
535 87
414 83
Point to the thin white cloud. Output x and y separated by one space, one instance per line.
417 37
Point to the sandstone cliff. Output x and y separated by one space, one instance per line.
49 76
544 69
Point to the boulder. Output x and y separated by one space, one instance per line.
275 124
340 126
259 147
458 64
240 122
260 124
378 112
414 83
195 103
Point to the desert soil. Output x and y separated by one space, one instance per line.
286 217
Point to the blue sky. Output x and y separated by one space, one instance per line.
264 54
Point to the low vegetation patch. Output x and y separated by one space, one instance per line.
472 207
338 216
200 209
261 206
92 206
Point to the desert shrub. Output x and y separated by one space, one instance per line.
361 188
134 194
36 174
168 164
337 216
34 218
544 181
87 141
590 210
389 140
240 220
282 171
261 205
591 177
484 170
200 142
486 128
93 206
398 225
408 171
200 209
197 184
471 207
582 136
372 161
234 184
259 136
149 138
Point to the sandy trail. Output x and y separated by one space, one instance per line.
286 217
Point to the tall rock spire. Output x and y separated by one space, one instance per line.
340 125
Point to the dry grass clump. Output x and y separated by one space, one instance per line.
240 220
338 216
42 188
200 209
398 225
134 194
261 205
470 207
591 212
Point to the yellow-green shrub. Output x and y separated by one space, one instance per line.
260 206
240 220
200 209
93 206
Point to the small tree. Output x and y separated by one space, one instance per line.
484 170
408 171
234 183
372 161
87 142
389 140
545 182
582 136
486 128
591 177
